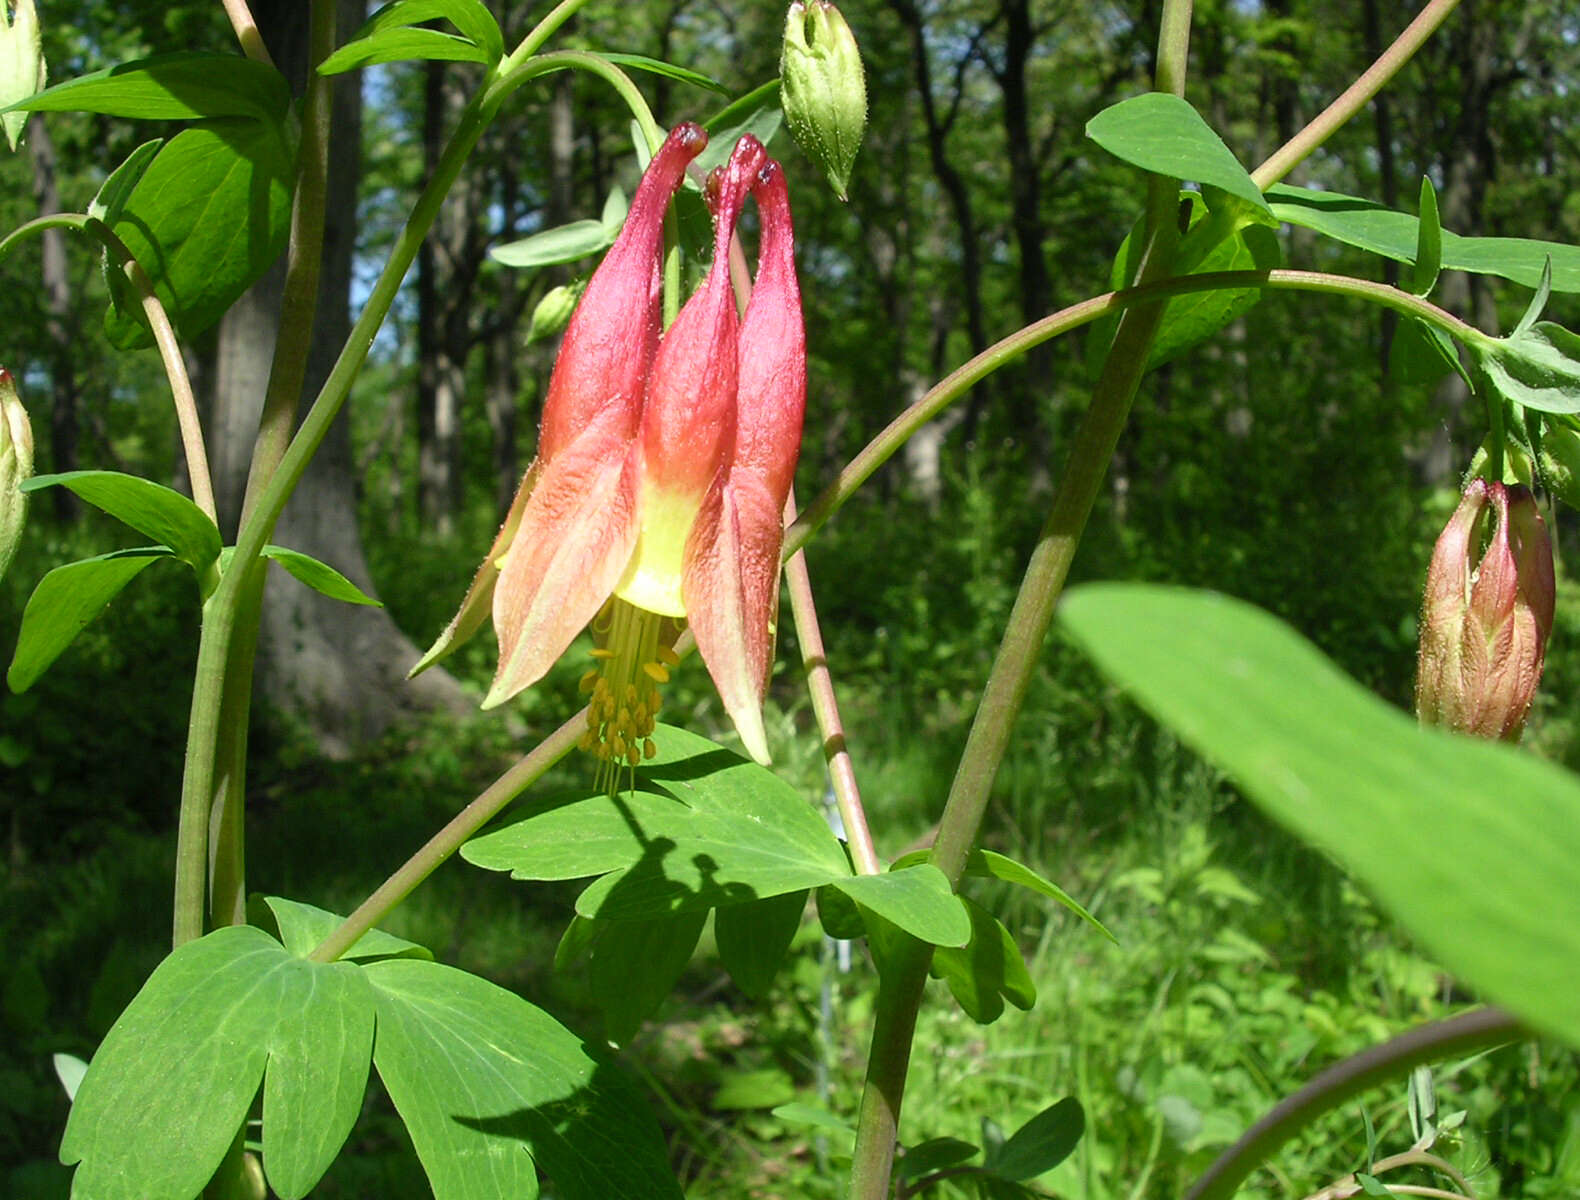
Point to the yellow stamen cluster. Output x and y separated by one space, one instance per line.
622 689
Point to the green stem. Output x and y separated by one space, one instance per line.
900 986
1356 96
1476 1030
450 839
287 374
960 381
825 705
579 60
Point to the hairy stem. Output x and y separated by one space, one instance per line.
1475 1030
820 684
1356 96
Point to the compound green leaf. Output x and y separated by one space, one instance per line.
987 970
172 87
634 965
152 509
916 899
207 217
705 828
1474 846
175 1076
319 576
65 602
1369 226
1163 134
488 1085
754 937
303 928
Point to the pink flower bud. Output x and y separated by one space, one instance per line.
1485 623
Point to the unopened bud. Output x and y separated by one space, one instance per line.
16 466
553 312
1485 623
21 63
822 88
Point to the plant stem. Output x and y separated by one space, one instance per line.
450 839
247 31
1356 96
820 684
1475 1030
900 986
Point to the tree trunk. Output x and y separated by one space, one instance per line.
337 668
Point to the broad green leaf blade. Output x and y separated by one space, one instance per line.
63 604
1041 1144
172 87
321 577
987 971
211 1016
486 1084
208 216
1539 298
317 1076
1369 226
401 45
640 62
562 244
916 899
1428 259
753 938
1473 846
1537 367
303 928
721 831
634 966
471 17
117 187
148 507
1161 133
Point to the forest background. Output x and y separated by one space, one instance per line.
1304 460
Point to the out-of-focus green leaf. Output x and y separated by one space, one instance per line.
1039 1145
1473 845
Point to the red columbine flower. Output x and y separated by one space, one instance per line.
662 470
1484 633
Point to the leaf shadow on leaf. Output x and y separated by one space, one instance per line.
569 1140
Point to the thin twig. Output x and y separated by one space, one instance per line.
247 31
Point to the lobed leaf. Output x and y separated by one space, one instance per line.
1474 846
754 937
303 928
1537 366
915 899
987 970
488 1085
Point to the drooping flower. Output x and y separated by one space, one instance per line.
1484 631
652 447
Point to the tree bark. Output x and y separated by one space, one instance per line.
338 669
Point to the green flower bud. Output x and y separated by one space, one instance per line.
16 466
21 64
553 312
823 89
